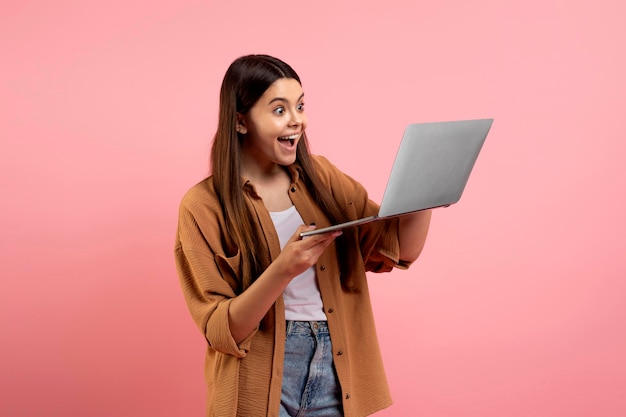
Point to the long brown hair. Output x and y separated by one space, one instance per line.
245 81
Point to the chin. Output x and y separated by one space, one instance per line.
286 161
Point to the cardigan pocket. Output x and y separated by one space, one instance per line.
230 269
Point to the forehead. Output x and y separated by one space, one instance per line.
288 89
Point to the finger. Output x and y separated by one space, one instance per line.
323 239
301 229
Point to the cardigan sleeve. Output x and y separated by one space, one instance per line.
207 276
378 240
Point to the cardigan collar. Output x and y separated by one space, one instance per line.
294 170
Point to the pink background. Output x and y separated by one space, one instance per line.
516 307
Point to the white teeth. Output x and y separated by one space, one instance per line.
292 137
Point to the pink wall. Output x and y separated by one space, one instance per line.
516 307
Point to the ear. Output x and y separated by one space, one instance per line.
241 124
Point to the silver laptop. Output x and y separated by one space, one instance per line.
431 169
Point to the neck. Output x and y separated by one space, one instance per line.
252 170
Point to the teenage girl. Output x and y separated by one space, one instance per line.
288 321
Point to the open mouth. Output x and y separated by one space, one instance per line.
291 139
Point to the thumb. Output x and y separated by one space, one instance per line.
301 229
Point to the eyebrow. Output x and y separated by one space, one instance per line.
284 99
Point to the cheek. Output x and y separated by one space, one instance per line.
268 127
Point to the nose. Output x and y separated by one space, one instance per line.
296 118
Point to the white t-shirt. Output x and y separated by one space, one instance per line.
303 300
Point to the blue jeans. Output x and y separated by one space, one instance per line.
310 384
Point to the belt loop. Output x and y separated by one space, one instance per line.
289 327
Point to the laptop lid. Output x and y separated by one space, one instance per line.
431 168
433 165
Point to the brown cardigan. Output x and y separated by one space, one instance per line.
245 380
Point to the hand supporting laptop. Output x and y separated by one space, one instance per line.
413 229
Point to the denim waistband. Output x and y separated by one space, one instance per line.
306 327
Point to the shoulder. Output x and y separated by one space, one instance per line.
200 217
335 178
200 207
200 195
326 170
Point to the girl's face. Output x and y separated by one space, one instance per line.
273 127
